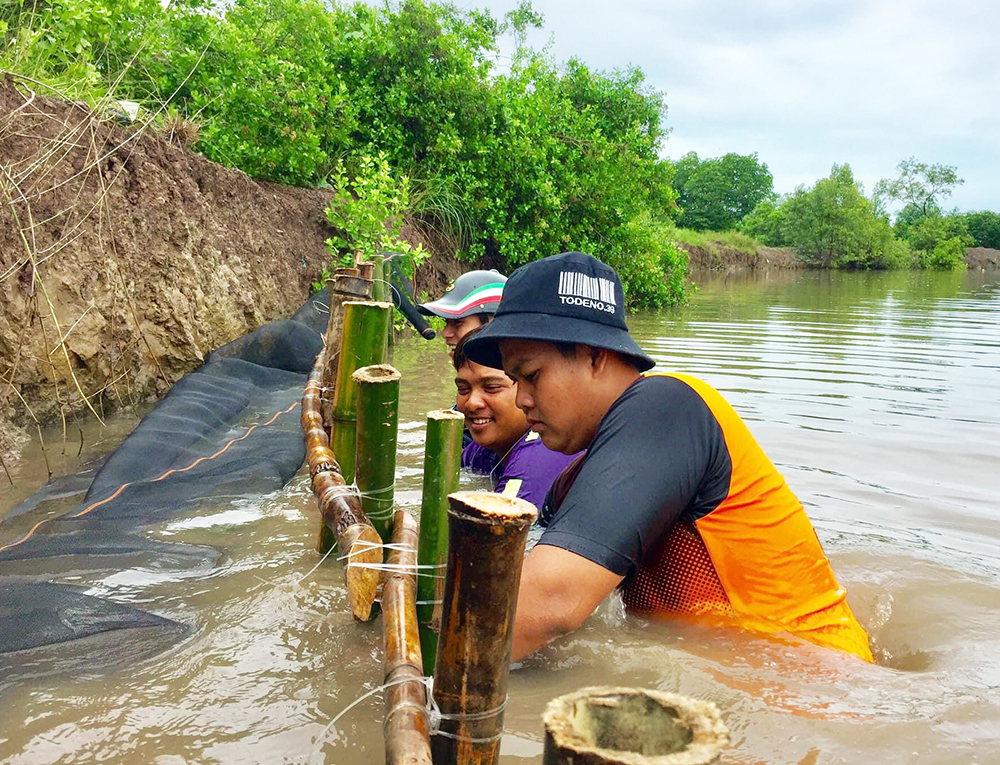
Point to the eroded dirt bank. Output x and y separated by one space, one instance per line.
150 255
722 258
141 254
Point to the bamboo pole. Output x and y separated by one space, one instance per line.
442 456
486 538
378 279
343 441
378 423
631 726
382 291
362 344
342 520
345 285
407 740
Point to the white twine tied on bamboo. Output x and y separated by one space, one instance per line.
430 709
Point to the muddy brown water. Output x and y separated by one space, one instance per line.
877 395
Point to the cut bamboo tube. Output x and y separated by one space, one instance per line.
631 726
407 740
342 520
486 537
378 424
362 344
442 457
345 285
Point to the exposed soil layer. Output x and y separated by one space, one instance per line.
721 258
146 257
982 257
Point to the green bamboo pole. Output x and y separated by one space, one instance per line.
378 421
362 344
382 291
379 290
343 442
442 455
346 285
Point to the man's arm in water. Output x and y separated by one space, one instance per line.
559 589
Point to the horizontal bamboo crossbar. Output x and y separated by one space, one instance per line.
343 522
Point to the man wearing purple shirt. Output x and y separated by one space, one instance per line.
503 447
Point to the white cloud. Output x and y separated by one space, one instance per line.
807 84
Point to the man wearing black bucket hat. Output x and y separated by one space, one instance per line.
674 502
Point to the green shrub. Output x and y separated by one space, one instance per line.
367 210
947 255
517 166
984 228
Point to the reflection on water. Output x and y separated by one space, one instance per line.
875 394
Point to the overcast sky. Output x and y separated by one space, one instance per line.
806 84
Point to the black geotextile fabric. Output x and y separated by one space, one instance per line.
229 429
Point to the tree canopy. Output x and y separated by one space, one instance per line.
716 194
918 184
834 224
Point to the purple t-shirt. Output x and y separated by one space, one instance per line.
527 471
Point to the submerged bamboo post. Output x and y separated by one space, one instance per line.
378 424
631 726
442 456
362 344
342 520
346 285
407 740
486 538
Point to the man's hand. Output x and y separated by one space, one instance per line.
559 589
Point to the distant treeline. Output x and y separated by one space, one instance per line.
832 224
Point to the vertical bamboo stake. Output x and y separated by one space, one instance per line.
631 726
442 456
378 279
407 740
345 285
343 441
342 521
486 537
362 344
378 422
382 291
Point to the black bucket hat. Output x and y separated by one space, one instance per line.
571 298
473 292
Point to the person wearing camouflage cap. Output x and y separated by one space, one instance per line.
470 303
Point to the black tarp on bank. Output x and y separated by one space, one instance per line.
229 428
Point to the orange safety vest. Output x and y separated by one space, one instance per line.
755 560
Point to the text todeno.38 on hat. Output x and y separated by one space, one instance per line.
570 297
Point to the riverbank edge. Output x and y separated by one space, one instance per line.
717 256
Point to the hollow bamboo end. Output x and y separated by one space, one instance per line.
443 415
362 580
376 373
489 507
634 726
